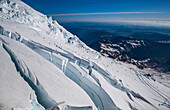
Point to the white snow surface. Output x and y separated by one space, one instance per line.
43 66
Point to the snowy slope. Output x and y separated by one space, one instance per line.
51 68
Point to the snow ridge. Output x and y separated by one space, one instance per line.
17 11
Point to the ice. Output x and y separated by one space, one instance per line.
35 84
42 95
35 104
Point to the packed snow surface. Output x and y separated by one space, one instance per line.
43 66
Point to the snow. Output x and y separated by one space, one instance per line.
65 89
47 67
14 91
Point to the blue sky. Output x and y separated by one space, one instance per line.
104 10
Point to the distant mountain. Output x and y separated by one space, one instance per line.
145 47
142 53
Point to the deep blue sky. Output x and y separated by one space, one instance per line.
48 7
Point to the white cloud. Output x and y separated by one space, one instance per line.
141 21
101 13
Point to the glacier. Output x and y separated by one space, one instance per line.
43 66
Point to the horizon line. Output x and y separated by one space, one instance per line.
101 13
